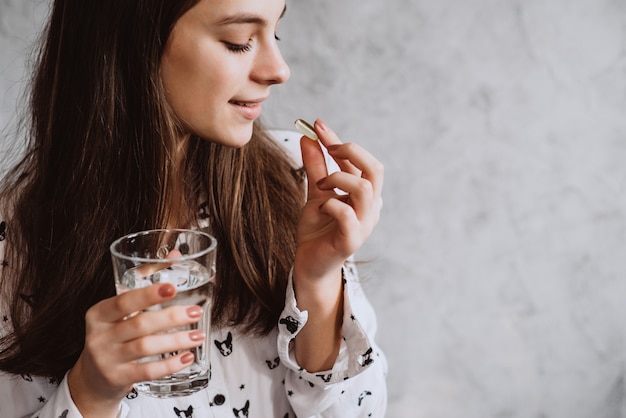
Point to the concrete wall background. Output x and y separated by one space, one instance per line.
498 267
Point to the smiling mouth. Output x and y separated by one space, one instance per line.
245 104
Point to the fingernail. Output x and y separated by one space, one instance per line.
187 358
194 311
196 335
319 124
167 290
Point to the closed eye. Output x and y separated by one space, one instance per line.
239 48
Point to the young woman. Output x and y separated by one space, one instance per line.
143 114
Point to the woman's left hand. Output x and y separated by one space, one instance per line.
333 226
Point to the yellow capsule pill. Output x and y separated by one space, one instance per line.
306 129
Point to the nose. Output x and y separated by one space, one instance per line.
270 66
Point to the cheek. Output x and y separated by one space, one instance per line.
194 75
177 69
184 88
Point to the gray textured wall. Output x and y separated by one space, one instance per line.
498 267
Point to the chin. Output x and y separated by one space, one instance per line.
240 138
234 138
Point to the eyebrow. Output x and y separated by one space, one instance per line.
246 18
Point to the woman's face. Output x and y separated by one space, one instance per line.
218 65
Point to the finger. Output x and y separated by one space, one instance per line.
349 236
329 138
148 269
139 372
120 306
371 169
314 166
360 191
174 254
152 322
152 345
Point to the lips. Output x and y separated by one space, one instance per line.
246 104
249 109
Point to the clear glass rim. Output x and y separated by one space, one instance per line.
211 247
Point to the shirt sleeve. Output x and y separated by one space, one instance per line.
356 385
26 396
30 396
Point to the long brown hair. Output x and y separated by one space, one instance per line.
99 165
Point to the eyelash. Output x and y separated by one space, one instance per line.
241 48
238 48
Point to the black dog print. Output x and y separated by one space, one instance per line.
291 323
366 358
273 364
325 377
363 395
243 412
203 212
133 394
188 413
226 346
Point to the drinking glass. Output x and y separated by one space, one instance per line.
186 259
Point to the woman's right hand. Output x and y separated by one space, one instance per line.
108 365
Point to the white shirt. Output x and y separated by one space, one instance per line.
254 377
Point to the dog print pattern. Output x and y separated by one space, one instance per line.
239 397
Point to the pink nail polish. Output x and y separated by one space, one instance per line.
319 124
196 335
194 311
167 291
187 358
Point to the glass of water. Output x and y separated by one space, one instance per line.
186 259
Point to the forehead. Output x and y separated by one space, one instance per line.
226 12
